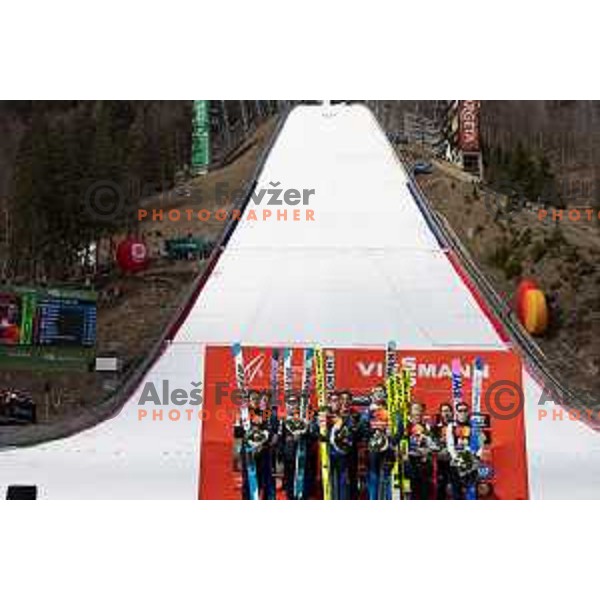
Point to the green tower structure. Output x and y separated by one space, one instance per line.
200 138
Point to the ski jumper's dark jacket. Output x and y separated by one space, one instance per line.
420 467
381 450
343 432
292 433
263 427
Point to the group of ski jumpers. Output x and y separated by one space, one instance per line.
372 452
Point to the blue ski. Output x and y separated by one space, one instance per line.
274 410
240 377
299 471
456 383
474 435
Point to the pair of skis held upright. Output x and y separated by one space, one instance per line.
475 441
398 388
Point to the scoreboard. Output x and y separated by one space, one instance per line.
47 317
68 321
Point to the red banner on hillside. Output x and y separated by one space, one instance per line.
468 119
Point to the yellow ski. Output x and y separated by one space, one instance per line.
393 408
323 429
404 384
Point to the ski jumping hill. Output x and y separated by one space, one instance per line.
367 269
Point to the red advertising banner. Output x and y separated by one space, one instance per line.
358 370
468 118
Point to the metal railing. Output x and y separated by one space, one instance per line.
536 360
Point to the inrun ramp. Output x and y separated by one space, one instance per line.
366 270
